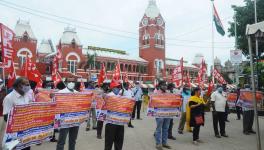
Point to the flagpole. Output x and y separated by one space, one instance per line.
213 66
3 69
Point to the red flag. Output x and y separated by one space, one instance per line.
210 88
219 77
39 84
116 76
57 79
82 87
177 75
188 80
125 77
11 76
31 72
7 38
102 75
59 53
201 73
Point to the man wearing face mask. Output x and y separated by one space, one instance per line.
186 94
72 131
219 105
161 133
137 92
19 96
114 134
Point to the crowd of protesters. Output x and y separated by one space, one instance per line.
191 118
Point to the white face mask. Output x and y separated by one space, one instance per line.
71 85
25 89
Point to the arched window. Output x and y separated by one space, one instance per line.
129 68
72 66
22 60
121 67
146 38
73 43
157 38
162 40
25 36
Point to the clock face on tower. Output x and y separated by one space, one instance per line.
159 22
145 21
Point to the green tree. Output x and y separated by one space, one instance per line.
245 15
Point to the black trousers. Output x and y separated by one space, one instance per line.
138 107
28 148
114 134
219 118
73 134
248 119
196 132
170 128
238 112
99 129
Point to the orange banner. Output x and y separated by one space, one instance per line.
248 95
119 104
232 97
73 102
43 95
165 101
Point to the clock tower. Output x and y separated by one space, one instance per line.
152 41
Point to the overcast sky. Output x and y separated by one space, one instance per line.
188 23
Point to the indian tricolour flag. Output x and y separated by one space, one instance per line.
218 24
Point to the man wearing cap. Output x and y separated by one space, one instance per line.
137 91
114 134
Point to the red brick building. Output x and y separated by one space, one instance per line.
148 66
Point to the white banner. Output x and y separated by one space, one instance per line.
236 56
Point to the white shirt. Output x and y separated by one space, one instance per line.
137 92
14 98
128 93
220 101
66 90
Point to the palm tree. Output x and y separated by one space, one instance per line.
90 63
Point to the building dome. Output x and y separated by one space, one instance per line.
152 11
217 61
46 47
198 58
23 27
69 36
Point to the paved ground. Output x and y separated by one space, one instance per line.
141 137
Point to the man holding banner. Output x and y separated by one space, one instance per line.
72 131
119 109
248 111
18 96
161 133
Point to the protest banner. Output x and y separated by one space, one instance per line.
246 98
100 109
43 95
164 105
31 124
119 109
231 100
72 109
